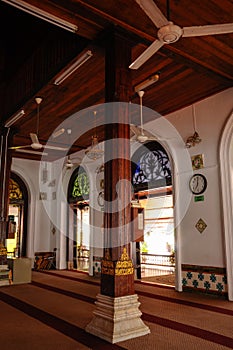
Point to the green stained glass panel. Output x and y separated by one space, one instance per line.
81 187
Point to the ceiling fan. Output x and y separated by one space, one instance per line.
141 135
69 164
168 32
36 145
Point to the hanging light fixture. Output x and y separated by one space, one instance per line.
94 152
69 164
195 138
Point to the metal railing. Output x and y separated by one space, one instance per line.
167 260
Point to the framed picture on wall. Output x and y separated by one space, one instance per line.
43 195
197 161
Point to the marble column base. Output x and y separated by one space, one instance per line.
117 319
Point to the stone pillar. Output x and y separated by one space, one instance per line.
117 316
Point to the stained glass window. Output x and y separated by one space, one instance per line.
79 187
151 167
15 192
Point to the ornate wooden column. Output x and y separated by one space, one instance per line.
5 165
117 278
117 316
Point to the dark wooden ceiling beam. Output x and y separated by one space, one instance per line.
148 38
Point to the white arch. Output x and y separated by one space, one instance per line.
172 142
226 165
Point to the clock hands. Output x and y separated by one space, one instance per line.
198 184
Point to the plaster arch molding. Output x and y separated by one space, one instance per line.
226 170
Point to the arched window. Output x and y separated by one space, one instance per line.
79 187
151 167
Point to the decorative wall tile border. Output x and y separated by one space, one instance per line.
97 265
206 279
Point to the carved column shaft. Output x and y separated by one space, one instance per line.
117 269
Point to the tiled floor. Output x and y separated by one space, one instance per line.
52 312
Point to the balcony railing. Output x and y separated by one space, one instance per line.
167 260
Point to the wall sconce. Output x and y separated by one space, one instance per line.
195 138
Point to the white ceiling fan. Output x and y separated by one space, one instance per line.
141 135
168 32
36 145
71 162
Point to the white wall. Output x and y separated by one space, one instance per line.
38 222
194 248
206 249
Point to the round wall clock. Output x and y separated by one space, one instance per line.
100 199
198 184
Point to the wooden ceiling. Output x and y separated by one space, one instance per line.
189 70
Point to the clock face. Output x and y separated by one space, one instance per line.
100 199
198 184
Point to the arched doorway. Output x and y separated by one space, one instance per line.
78 199
17 217
152 184
226 169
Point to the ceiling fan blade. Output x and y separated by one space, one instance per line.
135 130
57 148
139 134
213 29
31 152
58 132
150 51
138 131
18 147
153 12
149 136
34 138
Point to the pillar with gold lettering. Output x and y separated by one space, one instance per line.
117 316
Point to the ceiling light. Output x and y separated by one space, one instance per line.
14 119
149 81
94 152
46 16
78 63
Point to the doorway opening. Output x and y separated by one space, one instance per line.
78 252
17 218
152 183
81 231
